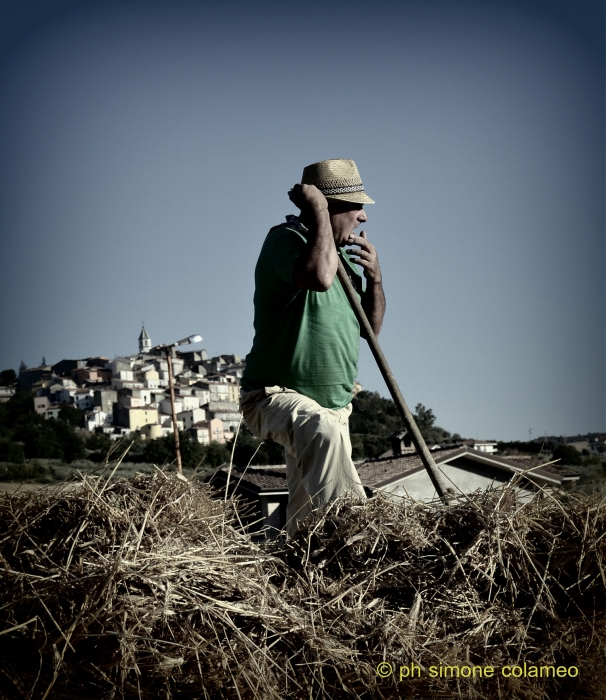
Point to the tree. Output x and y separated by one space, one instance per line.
374 415
375 418
20 404
38 437
567 454
52 439
71 443
424 417
72 415
8 377
532 447
425 420
98 442
248 448
162 451
216 454
11 451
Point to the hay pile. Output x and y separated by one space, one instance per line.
150 589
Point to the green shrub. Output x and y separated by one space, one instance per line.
11 451
567 454
27 471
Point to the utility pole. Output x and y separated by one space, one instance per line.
169 360
168 350
529 434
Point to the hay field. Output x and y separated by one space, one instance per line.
149 588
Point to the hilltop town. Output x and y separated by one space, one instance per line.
95 401
131 393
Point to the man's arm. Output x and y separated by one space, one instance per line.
316 267
373 299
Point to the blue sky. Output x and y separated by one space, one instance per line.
147 147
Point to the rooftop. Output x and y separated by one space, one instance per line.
265 478
530 461
380 472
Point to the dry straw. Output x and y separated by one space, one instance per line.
152 589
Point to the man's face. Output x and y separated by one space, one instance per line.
345 217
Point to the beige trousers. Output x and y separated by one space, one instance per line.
316 445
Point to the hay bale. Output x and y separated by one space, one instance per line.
150 588
486 582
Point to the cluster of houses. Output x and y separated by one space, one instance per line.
131 393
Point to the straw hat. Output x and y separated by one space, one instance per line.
337 179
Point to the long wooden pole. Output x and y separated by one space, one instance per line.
169 361
392 385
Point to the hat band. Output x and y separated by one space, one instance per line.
341 190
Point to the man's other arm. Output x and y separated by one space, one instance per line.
316 267
373 298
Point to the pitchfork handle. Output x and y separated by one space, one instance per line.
392 385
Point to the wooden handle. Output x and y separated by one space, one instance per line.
392 385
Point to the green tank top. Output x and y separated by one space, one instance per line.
306 341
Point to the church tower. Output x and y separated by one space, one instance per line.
144 341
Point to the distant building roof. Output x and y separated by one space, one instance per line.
143 335
265 479
530 462
380 472
138 408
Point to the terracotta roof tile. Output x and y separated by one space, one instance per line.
529 461
377 472
380 472
267 478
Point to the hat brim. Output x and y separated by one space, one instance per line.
355 197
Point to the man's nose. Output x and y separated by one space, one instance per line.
362 216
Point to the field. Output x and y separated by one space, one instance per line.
148 587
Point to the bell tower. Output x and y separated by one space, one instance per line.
144 341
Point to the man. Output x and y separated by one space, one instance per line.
299 376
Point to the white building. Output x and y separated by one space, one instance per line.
208 431
190 417
97 419
132 401
84 399
489 446
119 364
165 406
41 404
65 395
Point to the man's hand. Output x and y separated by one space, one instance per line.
373 299
308 198
366 257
